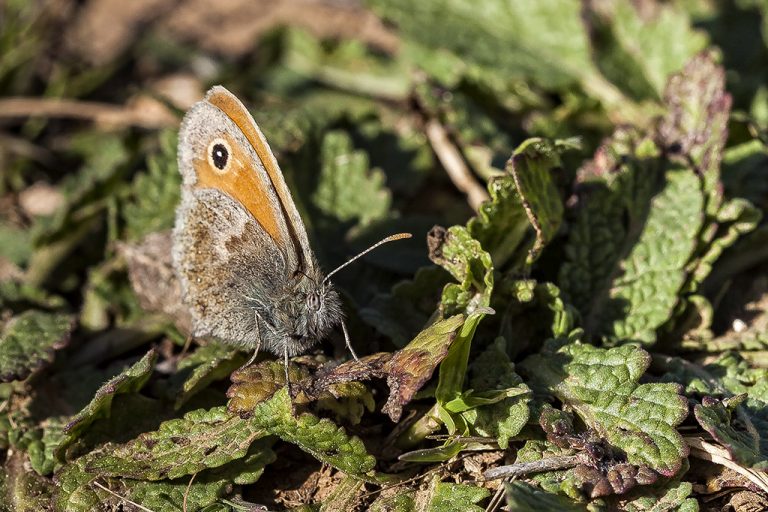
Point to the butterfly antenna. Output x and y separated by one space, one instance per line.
390 238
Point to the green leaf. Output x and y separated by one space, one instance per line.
21 489
523 496
735 218
601 385
347 189
655 267
130 380
209 363
154 193
672 498
346 64
696 125
546 44
81 491
532 165
41 443
742 170
29 340
457 252
408 307
450 497
638 51
398 502
740 423
15 243
21 297
504 419
720 418
200 440
612 270
461 255
501 225
524 198
321 438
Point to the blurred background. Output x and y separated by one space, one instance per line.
386 115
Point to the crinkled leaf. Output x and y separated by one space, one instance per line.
334 387
461 255
41 444
456 251
80 491
21 489
644 295
412 366
504 419
257 383
29 340
523 496
741 422
674 498
450 497
747 444
612 270
321 438
201 439
696 125
735 218
207 364
347 189
602 387
501 224
524 198
531 165
130 380
151 206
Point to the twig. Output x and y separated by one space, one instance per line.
719 455
454 164
113 493
497 497
537 466
103 113
186 492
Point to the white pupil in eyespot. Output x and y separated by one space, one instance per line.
220 155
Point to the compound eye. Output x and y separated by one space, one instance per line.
218 155
313 301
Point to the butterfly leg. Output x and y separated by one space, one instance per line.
347 341
287 376
258 345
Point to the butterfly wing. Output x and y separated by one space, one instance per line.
238 237
252 178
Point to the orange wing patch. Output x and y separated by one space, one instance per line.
242 184
231 106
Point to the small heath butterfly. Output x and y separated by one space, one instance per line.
240 248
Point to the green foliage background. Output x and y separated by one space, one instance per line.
585 293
